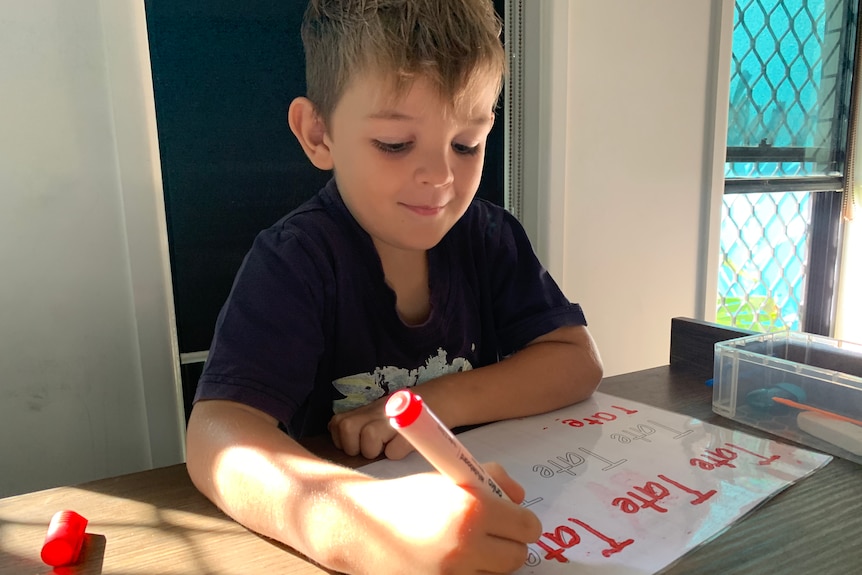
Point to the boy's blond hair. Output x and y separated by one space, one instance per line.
454 43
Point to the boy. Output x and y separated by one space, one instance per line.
392 276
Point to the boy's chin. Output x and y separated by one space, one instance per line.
418 246
416 243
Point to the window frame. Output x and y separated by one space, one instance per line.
826 225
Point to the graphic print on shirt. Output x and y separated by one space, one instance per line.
363 388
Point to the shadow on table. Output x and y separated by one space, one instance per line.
91 559
89 562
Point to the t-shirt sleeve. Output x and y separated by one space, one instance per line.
269 335
528 303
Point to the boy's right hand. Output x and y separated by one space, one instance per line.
345 520
424 524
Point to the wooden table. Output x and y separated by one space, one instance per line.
156 522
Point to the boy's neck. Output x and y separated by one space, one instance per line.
406 272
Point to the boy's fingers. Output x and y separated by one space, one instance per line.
398 448
333 432
374 437
361 436
363 430
370 442
507 528
349 440
512 488
508 521
346 430
523 526
502 555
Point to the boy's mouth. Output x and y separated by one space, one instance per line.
424 210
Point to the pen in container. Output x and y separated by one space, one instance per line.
409 415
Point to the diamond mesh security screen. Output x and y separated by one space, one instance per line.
786 87
789 90
764 248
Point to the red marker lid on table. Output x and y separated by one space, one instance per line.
64 538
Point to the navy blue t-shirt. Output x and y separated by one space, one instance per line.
310 327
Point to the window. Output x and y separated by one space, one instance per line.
790 93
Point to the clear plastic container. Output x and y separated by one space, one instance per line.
802 387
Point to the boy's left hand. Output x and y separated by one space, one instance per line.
366 430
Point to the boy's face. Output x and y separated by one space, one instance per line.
408 168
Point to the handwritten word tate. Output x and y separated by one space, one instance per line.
599 418
564 537
649 494
723 456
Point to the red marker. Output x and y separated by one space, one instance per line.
433 440
64 539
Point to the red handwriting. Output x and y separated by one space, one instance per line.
564 537
598 418
723 456
651 493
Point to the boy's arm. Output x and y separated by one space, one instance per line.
557 369
343 519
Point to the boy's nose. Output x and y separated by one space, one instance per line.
434 170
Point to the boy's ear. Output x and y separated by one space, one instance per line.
309 129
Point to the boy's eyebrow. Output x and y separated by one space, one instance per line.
395 115
389 115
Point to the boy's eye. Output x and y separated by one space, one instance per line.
392 148
465 150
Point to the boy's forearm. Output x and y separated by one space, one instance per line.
346 521
269 483
559 369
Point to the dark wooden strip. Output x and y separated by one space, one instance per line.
692 342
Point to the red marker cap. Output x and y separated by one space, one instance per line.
64 538
403 407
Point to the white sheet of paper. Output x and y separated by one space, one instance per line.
625 488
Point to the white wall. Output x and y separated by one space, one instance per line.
626 99
88 375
